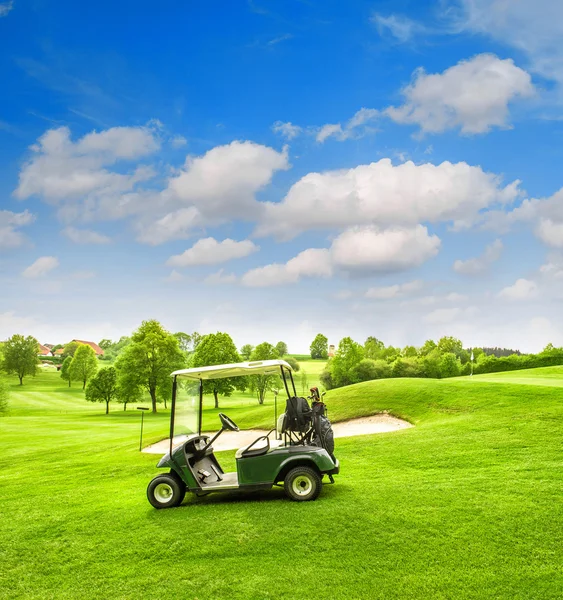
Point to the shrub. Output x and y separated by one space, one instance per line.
326 379
292 362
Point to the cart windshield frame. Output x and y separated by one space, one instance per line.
201 374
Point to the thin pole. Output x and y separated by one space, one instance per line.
141 440
200 405
173 410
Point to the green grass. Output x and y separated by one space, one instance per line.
467 504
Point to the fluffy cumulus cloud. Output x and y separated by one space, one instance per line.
10 223
41 267
224 181
287 130
522 289
359 251
79 177
85 236
479 265
533 26
392 292
386 195
473 95
209 251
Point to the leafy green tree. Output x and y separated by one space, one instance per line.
128 395
105 344
103 386
65 369
348 355
246 351
196 340
450 365
218 349
390 353
262 383
184 340
319 346
410 352
292 362
147 361
365 370
55 348
428 347
406 367
281 347
70 349
449 344
304 383
84 364
431 364
20 356
373 348
4 395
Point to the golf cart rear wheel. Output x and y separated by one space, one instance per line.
302 484
166 491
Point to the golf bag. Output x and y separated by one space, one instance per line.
298 416
323 435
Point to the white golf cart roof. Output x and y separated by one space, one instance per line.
256 367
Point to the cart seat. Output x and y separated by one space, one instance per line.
256 449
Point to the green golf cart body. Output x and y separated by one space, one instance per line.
298 461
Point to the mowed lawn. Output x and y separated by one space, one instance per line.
466 504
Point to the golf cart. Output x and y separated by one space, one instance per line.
297 452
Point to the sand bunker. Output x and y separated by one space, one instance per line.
233 440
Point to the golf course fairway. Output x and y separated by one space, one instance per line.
465 504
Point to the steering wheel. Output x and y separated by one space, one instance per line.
227 423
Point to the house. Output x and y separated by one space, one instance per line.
331 351
99 351
59 352
44 351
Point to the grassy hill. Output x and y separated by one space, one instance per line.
467 504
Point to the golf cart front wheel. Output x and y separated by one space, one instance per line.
302 484
166 491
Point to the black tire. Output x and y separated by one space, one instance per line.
166 491
302 484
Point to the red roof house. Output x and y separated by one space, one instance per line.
99 351
44 351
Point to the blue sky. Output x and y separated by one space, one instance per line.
275 169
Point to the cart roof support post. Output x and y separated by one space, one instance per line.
200 406
173 411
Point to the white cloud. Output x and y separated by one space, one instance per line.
174 277
41 267
523 289
550 232
76 176
369 250
473 95
10 222
287 130
356 127
393 291
477 266
209 251
176 225
400 27
533 26
224 181
386 195
553 269
313 262
178 141
358 251
85 236
443 316
220 278
6 7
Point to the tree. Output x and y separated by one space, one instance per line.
218 349
147 361
105 344
103 386
4 394
196 340
262 383
84 364
20 356
409 352
373 348
428 347
65 370
304 383
184 340
70 349
450 344
450 365
246 351
319 346
348 355
292 362
368 369
281 347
